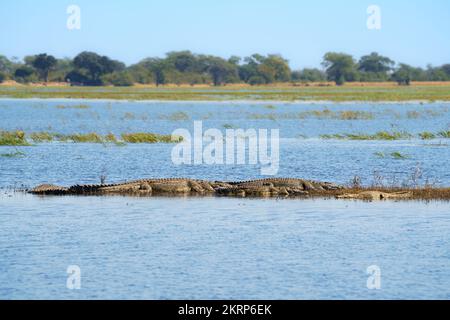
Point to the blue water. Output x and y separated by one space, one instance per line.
302 152
211 248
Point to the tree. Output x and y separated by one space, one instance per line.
436 74
77 77
182 61
157 67
119 79
43 63
403 75
221 71
273 68
23 73
375 67
62 68
279 67
6 66
310 75
375 63
446 68
96 66
2 77
340 67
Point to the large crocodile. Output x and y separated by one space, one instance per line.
182 186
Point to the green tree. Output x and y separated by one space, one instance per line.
279 67
222 71
375 67
62 68
119 79
6 66
43 63
403 75
157 67
182 61
2 77
446 69
375 63
436 74
340 67
95 66
23 73
273 68
309 75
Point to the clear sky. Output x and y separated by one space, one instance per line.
412 31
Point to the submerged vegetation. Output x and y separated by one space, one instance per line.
19 138
78 106
15 154
149 138
384 135
13 138
316 114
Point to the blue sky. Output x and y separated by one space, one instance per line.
413 31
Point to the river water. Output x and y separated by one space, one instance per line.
211 248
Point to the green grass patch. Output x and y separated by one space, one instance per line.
398 156
39 137
427 135
142 137
19 138
382 135
13 138
444 134
86 138
15 154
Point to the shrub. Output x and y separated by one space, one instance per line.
256 80
13 138
119 79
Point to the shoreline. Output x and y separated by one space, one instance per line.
237 102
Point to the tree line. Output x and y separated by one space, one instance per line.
185 67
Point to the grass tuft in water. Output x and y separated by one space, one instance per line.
13 138
398 156
427 135
15 154
142 137
78 106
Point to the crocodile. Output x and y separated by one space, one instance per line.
276 187
184 186
377 195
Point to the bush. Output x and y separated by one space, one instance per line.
256 80
2 77
119 79
23 74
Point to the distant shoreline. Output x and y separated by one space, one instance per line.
348 94
237 102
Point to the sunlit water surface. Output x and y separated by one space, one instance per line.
214 248
179 248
